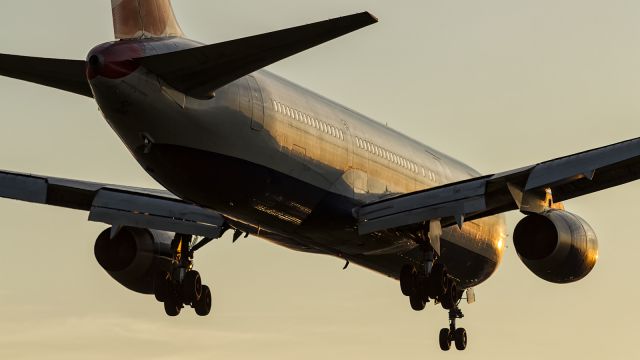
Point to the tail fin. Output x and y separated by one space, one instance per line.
134 19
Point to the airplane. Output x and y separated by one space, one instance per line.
239 149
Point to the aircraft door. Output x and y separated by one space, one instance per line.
357 176
257 103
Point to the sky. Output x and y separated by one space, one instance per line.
498 84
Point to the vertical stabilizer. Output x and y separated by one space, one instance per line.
135 19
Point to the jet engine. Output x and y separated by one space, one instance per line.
556 245
134 256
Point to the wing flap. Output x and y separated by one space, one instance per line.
198 72
139 210
443 202
67 75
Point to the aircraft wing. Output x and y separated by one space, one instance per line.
115 205
526 189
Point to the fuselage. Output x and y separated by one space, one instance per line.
283 163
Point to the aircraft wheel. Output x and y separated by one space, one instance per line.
445 339
448 299
437 281
172 308
407 278
417 302
460 337
161 287
203 305
191 287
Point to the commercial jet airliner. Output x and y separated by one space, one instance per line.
243 150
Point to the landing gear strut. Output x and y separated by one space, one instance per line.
182 285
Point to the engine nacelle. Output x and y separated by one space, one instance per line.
134 256
556 245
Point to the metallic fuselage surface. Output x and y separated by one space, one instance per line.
284 163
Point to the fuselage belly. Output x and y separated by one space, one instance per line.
287 164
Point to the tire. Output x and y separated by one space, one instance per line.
172 308
407 280
161 287
203 305
445 342
460 337
437 281
191 287
417 302
449 299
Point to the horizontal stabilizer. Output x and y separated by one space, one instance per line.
67 75
198 72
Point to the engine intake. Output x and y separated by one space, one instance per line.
134 256
556 245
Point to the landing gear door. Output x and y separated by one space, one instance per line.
257 118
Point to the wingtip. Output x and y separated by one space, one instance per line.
374 19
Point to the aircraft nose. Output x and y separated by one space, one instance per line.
113 60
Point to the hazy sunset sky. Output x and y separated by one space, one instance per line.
498 84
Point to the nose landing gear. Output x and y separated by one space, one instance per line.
182 285
453 334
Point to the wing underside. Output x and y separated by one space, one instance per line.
115 205
67 75
526 189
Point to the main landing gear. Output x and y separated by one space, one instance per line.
433 282
182 285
